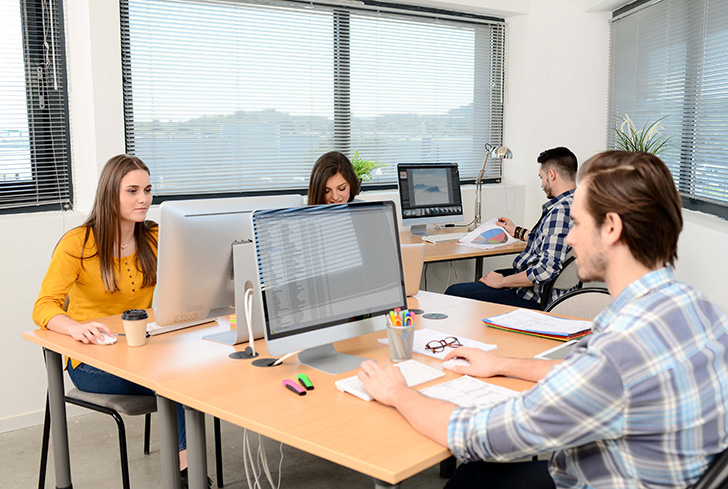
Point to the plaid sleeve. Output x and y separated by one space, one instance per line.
551 247
579 402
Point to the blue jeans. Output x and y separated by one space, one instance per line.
91 379
481 292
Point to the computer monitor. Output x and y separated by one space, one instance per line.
429 193
196 282
328 273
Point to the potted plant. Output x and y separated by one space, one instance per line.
648 139
365 168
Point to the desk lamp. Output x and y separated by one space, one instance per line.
495 152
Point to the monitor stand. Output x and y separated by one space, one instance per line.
418 229
327 359
244 265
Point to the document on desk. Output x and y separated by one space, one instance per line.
424 336
536 323
488 236
467 391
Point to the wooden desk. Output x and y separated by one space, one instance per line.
164 357
366 437
452 251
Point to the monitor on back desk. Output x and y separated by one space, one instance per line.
195 280
328 273
429 193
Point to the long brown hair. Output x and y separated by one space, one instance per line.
328 165
105 222
640 188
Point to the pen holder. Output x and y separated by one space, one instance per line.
400 339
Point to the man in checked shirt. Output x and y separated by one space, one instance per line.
639 403
541 260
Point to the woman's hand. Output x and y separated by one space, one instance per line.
88 333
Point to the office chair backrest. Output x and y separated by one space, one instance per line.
716 477
566 280
583 303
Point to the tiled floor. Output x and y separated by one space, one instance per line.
95 459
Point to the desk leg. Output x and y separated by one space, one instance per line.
168 449
196 449
478 268
59 428
384 485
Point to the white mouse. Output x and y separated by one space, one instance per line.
455 362
108 340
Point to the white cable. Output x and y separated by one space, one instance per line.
248 306
246 450
280 467
264 460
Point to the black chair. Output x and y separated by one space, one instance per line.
716 476
114 405
567 279
585 303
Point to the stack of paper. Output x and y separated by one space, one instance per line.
489 235
536 323
466 391
424 336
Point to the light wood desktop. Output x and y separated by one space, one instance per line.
452 250
365 436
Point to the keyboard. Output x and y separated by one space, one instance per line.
441 238
414 372
154 329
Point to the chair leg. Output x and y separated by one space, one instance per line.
122 450
218 452
44 446
147 431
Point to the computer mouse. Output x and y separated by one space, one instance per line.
455 362
108 340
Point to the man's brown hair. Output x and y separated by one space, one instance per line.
640 189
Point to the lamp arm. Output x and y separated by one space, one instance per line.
478 193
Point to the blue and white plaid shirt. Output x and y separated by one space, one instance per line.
640 403
546 247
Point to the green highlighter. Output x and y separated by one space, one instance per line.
303 380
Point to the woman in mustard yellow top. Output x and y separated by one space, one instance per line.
102 268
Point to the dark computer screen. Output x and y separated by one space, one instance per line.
429 193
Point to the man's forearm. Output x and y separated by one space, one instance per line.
428 416
517 280
526 368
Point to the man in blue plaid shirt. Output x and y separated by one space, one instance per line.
639 403
546 248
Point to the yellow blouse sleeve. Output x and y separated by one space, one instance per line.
62 273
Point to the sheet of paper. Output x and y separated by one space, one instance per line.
467 391
424 336
488 236
537 322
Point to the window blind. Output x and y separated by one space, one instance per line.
34 157
669 59
237 97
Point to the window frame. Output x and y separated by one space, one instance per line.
342 87
687 165
45 168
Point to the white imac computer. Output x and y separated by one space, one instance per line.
197 279
328 273
429 193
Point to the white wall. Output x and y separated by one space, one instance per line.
555 95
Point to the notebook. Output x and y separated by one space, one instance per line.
413 257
